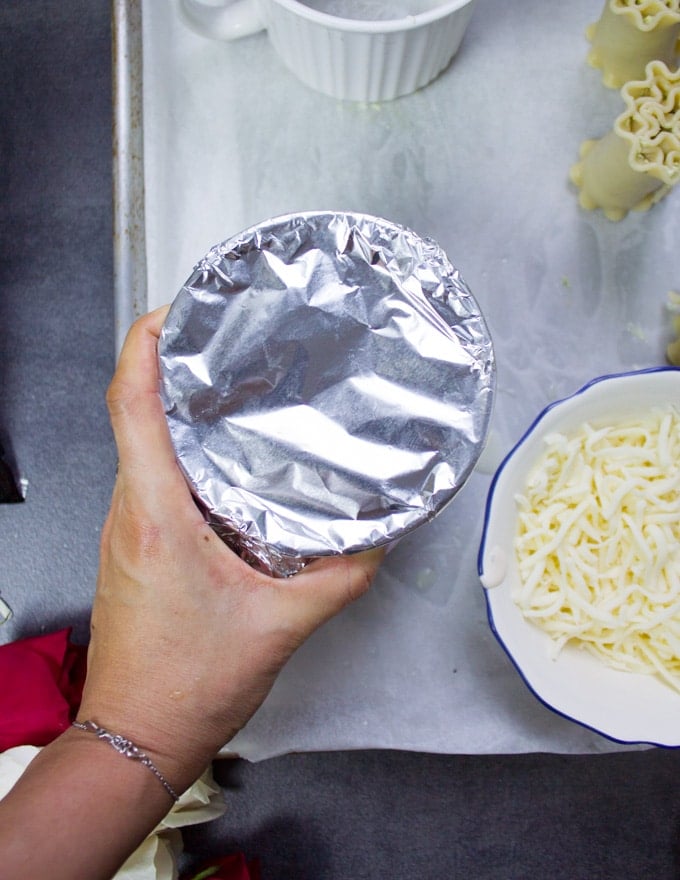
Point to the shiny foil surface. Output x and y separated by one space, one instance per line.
328 381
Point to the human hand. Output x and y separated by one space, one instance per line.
187 639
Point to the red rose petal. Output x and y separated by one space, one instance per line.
42 679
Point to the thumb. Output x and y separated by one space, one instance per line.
326 586
136 411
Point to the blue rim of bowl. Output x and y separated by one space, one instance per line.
480 556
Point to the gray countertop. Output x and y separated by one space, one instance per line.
364 814
56 307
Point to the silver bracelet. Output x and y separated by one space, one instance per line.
128 749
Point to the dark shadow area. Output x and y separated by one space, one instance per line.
11 491
376 814
292 849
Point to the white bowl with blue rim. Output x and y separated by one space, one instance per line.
625 707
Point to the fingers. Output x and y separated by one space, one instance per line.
136 410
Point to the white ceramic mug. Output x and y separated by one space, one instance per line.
347 56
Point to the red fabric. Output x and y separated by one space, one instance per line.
232 867
41 684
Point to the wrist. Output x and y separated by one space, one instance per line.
178 755
126 749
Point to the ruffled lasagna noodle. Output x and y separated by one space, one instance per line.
638 162
629 34
598 543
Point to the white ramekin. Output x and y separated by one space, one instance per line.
346 58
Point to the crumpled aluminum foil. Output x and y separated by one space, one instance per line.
328 381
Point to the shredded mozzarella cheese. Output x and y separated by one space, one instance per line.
598 543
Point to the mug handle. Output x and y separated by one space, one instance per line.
230 20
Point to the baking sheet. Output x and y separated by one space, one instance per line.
479 160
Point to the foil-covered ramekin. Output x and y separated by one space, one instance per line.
328 381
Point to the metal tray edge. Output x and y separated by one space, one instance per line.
129 234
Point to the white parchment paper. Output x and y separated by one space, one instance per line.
479 160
